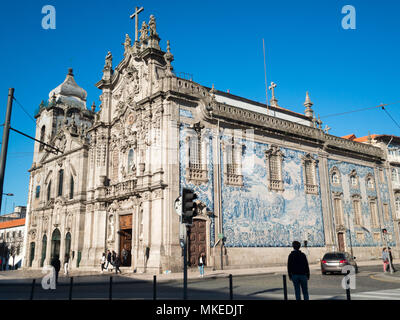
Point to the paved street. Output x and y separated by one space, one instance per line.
371 284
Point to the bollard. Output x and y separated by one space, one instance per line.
71 283
154 287
230 288
110 290
284 288
33 288
348 288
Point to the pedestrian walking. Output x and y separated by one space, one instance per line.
103 261
55 262
391 259
66 264
298 271
108 260
385 259
201 263
117 263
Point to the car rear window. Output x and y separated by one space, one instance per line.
333 256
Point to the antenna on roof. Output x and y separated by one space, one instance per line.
265 74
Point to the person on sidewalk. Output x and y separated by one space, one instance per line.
385 259
391 259
108 260
201 263
298 271
103 261
117 263
55 262
66 264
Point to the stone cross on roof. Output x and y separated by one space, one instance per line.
135 16
273 101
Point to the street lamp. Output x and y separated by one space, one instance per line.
8 195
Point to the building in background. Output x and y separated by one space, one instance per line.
390 145
12 234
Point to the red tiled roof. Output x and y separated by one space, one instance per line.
365 138
350 137
12 223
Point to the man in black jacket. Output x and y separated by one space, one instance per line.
298 271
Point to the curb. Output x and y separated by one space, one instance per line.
385 277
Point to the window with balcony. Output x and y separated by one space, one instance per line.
233 162
196 171
310 176
274 168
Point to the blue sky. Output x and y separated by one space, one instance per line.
217 42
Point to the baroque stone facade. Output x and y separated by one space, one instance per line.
264 175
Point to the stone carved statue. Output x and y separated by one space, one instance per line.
108 60
110 227
127 42
143 32
152 26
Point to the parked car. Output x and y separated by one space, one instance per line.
335 261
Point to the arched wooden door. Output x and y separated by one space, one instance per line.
197 241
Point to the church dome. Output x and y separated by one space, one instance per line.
69 92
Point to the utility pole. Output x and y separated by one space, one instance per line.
4 144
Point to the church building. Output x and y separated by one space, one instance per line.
264 175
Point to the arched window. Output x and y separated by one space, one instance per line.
71 187
370 183
131 160
67 244
37 195
55 244
42 137
335 178
60 182
49 191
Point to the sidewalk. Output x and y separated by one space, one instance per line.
193 273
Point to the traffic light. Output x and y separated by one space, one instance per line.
188 206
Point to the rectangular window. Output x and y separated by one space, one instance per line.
337 203
374 216
71 188
60 182
357 212
386 211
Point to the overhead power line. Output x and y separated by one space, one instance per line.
23 109
383 108
360 110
